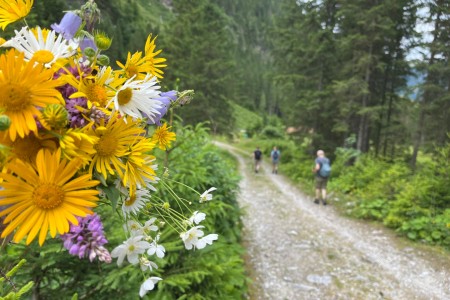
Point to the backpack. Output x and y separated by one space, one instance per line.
325 169
258 154
275 155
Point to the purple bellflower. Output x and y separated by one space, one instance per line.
165 98
87 43
68 26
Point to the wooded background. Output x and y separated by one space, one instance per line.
331 69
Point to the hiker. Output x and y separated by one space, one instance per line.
257 155
275 156
322 170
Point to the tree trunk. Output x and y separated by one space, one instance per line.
427 95
381 114
363 128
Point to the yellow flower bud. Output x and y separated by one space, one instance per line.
55 116
102 41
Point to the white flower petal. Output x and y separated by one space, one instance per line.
148 285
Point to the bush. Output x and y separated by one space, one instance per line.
271 132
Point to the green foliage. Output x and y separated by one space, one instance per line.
6 284
273 129
371 209
344 157
216 271
271 132
246 119
130 22
432 230
417 204
200 40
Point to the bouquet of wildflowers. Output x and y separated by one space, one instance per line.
75 133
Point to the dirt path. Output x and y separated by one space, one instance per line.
299 250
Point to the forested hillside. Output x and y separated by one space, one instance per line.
331 69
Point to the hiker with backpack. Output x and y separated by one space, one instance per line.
257 155
275 156
322 169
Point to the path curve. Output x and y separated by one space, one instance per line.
299 250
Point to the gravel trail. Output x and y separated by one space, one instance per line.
299 250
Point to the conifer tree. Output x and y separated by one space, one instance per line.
434 102
200 41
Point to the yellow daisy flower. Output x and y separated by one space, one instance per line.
27 148
97 89
44 197
163 137
136 65
13 10
155 63
112 145
24 86
139 168
75 143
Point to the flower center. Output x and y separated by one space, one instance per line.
14 97
130 200
124 96
43 56
131 248
106 146
97 93
48 196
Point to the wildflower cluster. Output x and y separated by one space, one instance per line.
75 133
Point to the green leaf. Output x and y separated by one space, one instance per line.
436 235
412 235
113 195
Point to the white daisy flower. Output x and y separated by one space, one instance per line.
148 183
206 196
148 285
135 202
138 96
134 228
46 50
149 226
130 248
207 240
147 264
197 217
190 237
157 249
